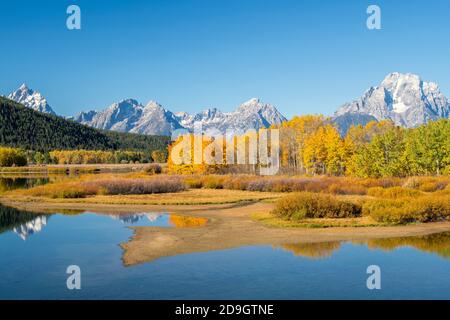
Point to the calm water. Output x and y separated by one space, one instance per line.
35 251
11 181
8 183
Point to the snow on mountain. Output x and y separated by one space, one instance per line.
130 116
156 120
31 99
402 98
252 114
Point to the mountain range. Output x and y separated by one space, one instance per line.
131 116
401 97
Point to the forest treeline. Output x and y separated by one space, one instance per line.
312 145
379 149
14 157
24 128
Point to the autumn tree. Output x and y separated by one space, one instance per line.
293 136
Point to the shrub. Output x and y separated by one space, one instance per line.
392 193
412 183
406 210
333 185
432 186
159 156
137 186
427 184
111 186
213 182
303 205
347 189
11 157
194 182
62 190
153 168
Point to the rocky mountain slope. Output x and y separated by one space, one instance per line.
402 98
31 99
131 116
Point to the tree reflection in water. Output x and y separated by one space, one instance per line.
438 243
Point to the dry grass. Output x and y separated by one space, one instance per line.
427 184
319 184
188 197
393 193
105 185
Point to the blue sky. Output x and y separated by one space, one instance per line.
302 56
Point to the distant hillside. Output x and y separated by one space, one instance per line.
25 128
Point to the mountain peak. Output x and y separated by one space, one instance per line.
252 102
155 119
129 101
396 79
403 98
23 87
153 104
31 99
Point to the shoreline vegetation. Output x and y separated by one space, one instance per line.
79 168
293 201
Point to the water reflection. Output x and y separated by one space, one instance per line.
186 221
438 243
99 243
435 243
8 183
31 227
135 217
318 250
23 223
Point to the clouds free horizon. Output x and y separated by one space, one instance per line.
301 56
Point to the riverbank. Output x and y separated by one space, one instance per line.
229 226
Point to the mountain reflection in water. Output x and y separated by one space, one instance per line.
25 223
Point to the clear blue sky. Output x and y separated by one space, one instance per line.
302 56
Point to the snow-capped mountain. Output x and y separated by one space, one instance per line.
403 98
31 99
252 114
131 116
